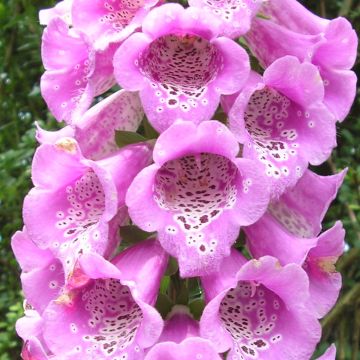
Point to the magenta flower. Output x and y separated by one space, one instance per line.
180 65
282 121
95 131
33 350
325 281
41 272
113 314
62 9
197 194
75 73
31 325
109 22
331 45
290 227
253 312
180 339
235 15
79 211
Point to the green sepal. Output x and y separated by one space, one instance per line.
124 138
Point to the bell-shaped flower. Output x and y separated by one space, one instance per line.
325 281
109 22
329 354
282 121
331 45
95 130
112 316
197 194
41 271
75 73
77 204
289 228
180 339
235 16
61 10
180 65
258 310
33 350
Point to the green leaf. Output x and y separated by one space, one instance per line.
172 267
150 132
163 304
164 285
124 138
131 234
182 294
263 16
196 307
195 290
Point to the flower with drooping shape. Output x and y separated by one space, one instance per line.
113 314
33 350
95 130
253 312
329 354
41 271
77 204
197 194
75 72
180 339
331 45
31 325
235 15
282 121
109 22
180 65
62 9
325 281
289 228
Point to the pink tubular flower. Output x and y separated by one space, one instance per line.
106 22
74 207
282 121
197 194
41 271
113 314
253 312
95 130
75 73
180 339
290 231
331 45
235 15
33 350
180 65
325 281
289 228
62 9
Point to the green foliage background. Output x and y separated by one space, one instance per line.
21 105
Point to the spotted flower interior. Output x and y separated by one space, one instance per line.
196 189
254 317
105 322
179 67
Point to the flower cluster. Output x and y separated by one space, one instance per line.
176 217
